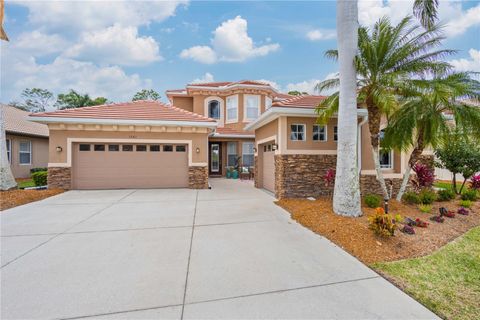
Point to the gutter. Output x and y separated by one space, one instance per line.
245 136
167 123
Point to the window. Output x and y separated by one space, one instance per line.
319 133
113 147
9 151
297 132
180 148
155 148
231 154
25 152
214 109
168 148
232 108
99 147
247 154
385 156
84 147
335 133
269 147
252 107
141 148
268 102
127 147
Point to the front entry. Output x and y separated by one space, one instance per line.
215 158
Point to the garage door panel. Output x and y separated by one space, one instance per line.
129 169
268 176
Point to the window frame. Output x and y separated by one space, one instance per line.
230 154
325 134
245 106
248 154
29 153
268 102
9 150
304 132
228 101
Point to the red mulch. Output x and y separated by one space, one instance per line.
13 198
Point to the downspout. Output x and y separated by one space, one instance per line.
359 143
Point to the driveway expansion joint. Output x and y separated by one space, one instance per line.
120 312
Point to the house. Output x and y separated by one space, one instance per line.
27 142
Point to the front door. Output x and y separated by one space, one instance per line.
215 158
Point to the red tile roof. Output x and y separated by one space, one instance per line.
230 131
299 102
16 122
137 110
229 83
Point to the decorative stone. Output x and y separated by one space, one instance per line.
198 177
59 178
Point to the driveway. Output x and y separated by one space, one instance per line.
229 252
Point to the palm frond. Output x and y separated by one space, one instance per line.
426 11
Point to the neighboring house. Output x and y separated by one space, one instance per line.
27 142
294 152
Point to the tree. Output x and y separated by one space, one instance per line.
423 119
146 95
7 180
297 93
3 34
35 100
459 154
73 99
426 12
391 62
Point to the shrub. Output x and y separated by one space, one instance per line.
411 197
398 218
425 176
445 194
475 182
465 203
427 196
438 219
425 208
382 224
470 194
372 200
33 170
408 229
420 223
463 211
40 178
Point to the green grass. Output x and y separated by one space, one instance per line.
447 281
446 185
25 184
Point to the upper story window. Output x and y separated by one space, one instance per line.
25 152
214 109
9 151
268 102
319 133
297 132
232 108
252 107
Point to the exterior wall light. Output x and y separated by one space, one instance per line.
59 149
255 149
274 147
197 150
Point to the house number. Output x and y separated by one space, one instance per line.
132 137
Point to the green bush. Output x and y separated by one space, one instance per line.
465 203
427 196
33 170
425 208
470 194
411 197
445 194
40 178
372 200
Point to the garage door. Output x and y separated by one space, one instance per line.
118 166
268 175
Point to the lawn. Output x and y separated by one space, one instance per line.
448 184
447 281
25 183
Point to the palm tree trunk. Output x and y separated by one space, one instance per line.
414 157
378 169
346 196
6 178
374 119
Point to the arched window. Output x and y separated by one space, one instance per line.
214 109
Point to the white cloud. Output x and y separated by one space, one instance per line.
308 86
472 64
91 15
318 34
274 84
451 13
115 45
207 77
230 43
38 43
203 54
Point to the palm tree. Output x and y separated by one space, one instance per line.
7 180
389 62
426 12
425 118
346 194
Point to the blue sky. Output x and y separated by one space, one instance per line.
115 48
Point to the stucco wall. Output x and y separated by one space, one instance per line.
39 154
309 143
185 103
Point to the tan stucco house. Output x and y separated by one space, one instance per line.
27 142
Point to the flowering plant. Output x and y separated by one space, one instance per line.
408 230
420 223
463 211
475 182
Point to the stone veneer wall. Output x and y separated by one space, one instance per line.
370 185
301 176
59 178
198 177
255 173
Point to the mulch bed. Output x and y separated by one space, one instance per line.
13 198
354 236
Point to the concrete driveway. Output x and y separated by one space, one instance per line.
228 252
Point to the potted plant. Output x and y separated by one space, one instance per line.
229 172
236 168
